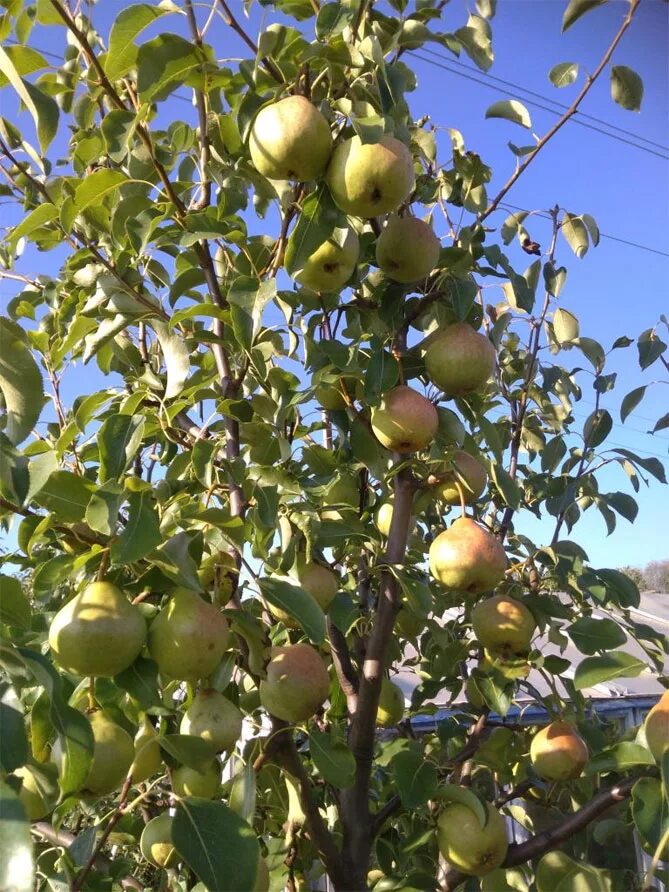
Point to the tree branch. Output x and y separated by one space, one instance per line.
571 111
201 105
341 657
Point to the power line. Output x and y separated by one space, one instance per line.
552 111
560 105
613 238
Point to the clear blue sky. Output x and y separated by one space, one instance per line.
616 289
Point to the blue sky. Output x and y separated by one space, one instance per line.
616 289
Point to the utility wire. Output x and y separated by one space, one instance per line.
552 111
528 92
613 238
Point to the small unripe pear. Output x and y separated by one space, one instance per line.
503 625
113 752
407 249
297 682
214 718
405 421
370 179
468 473
558 752
473 849
290 140
148 759
156 842
460 360
204 783
321 583
466 557
657 727
331 265
32 800
188 637
391 705
99 632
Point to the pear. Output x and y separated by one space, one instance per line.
219 573
331 265
460 360
156 842
468 473
466 557
657 727
148 759
383 518
370 179
558 752
407 249
213 718
99 632
290 140
405 421
503 625
342 497
297 682
188 637
321 583
113 752
473 849
391 705
204 783
330 396
35 805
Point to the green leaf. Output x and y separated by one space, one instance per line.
511 110
649 811
47 14
186 749
20 383
140 680
118 441
464 796
129 23
650 348
164 63
96 187
554 278
103 508
17 866
661 424
242 799
509 489
141 535
218 846
42 108
333 759
13 740
565 326
41 215
14 605
317 222
177 358
631 401
557 872
563 74
66 495
577 8
415 778
619 587
626 87
117 128
298 603
597 427
591 635
620 757
382 374
575 233
595 670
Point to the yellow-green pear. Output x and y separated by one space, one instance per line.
383 517
656 727
467 557
156 842
32 800
188 637
465 472
503 625
558 752
204 783
459 359
331 265
370 179
321 583
113 752
214 718
290 140
99 632
331 397
148 759
297 682
407 249
391 705
467 846
219 574
405 421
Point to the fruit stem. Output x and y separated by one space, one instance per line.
461 493
104 563
91 693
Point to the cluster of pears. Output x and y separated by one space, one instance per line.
291 140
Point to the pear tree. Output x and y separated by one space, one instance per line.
266 454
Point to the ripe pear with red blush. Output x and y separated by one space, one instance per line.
503 625
467 557
558 752
296 683
405 421
464 480
656 727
